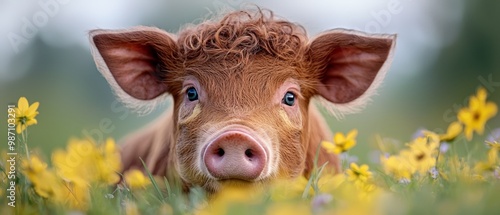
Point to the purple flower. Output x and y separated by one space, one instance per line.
320 201
434 172
444 147
494 135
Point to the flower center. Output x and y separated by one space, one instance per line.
420 156
23 120
476 116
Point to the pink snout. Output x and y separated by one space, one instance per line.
235 155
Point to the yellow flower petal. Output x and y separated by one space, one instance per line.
22 104
110 146
481 94
338 138
135 179
352 134
464 115
454 129
31 111
475 116
490 109
31 122
19 128
330 147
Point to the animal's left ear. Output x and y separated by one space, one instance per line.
350 64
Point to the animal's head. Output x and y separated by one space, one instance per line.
241 88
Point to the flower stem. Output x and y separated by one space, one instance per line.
467 148
25 142
343 158
437 157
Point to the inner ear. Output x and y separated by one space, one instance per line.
134 61
349 62
135 67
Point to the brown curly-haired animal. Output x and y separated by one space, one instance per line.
242 88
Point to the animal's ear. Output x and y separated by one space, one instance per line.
134 62
350 65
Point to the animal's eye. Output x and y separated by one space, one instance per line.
192 94
288 99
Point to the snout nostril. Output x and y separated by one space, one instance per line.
249 153
220 152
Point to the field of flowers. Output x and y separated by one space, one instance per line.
431 174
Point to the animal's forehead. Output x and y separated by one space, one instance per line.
257 72
250 86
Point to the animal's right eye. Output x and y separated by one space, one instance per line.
192 94
288 99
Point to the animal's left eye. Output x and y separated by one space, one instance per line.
289 99
192 94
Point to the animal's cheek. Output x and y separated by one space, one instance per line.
292 157
188 113
291 151
187 156
290 120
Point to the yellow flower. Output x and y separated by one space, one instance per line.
25 114
289 189
33 166
454 129
328 183
398 165
341 143
422 154
232 195
367 191
461 170
490 165
475 116
493 145
135 179
131 208
44 181
49 185
284 208
84 162
359 173
110 164
76 196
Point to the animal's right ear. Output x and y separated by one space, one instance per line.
134 62
350 66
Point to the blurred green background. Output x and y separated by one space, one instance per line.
445 51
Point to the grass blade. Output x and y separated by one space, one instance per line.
167 184
155 185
